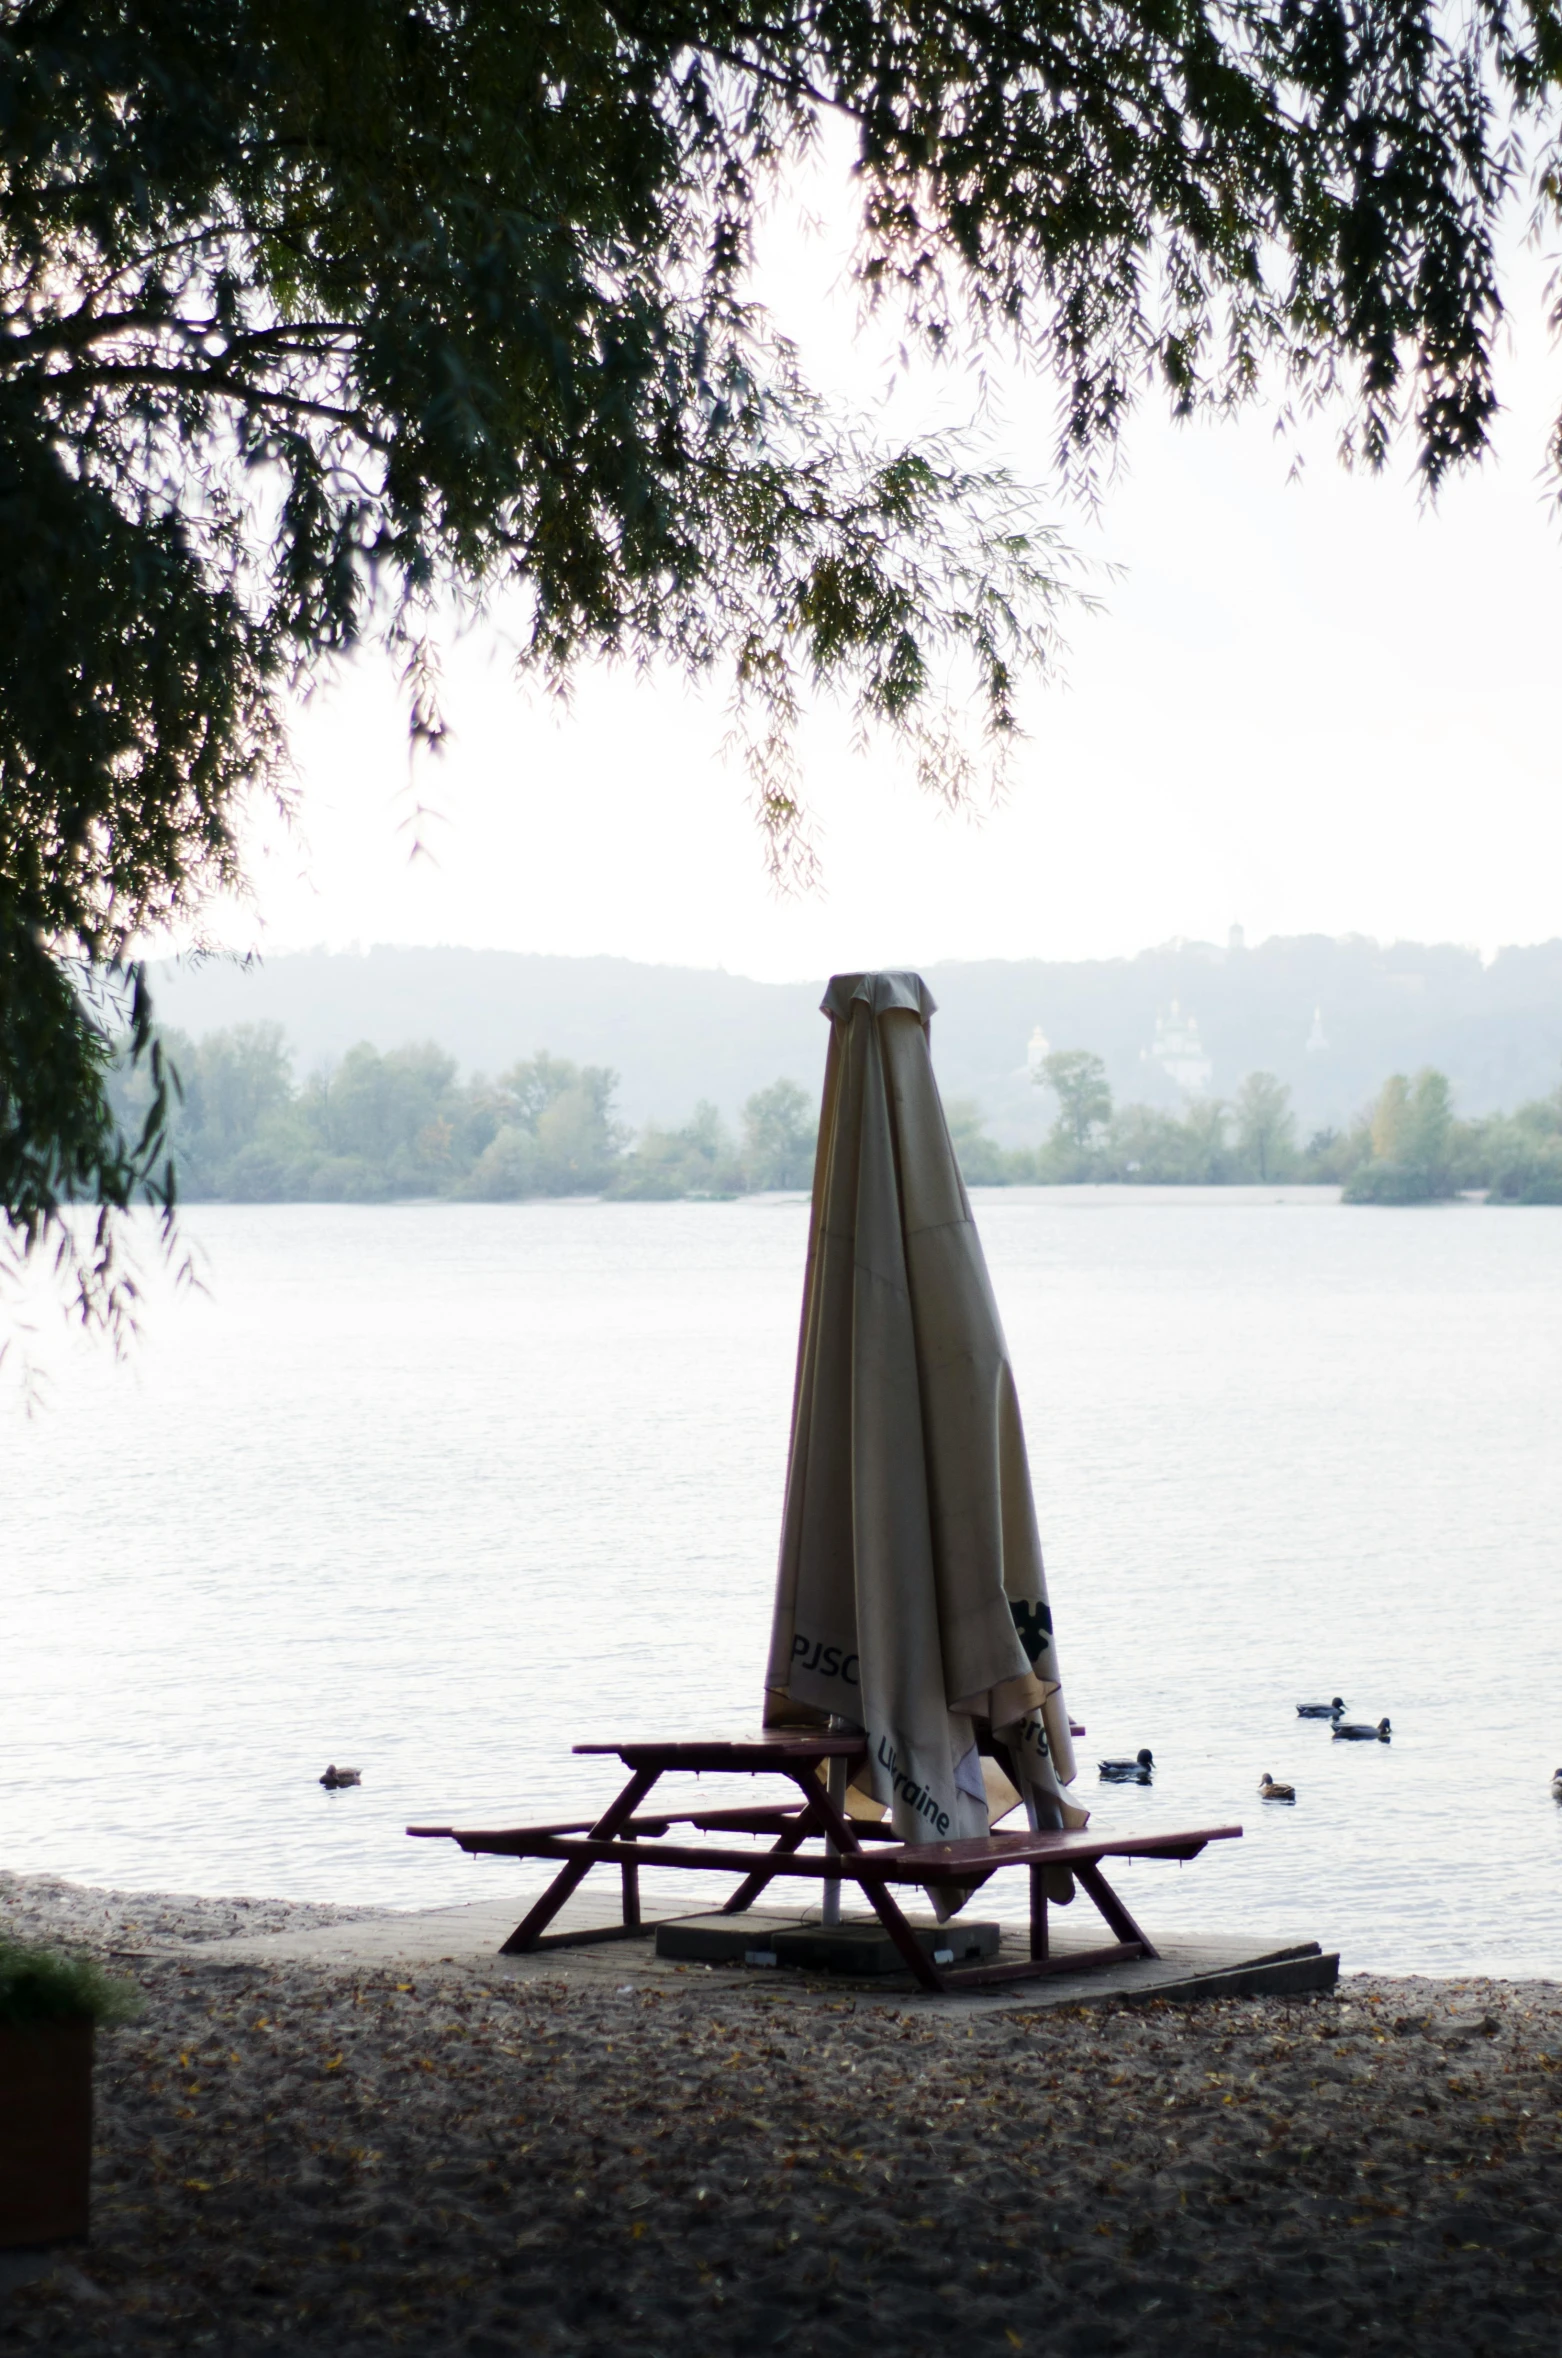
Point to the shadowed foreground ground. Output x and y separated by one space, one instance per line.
309 2160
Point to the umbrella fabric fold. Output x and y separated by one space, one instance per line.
911 1599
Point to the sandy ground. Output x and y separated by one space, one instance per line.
328 2156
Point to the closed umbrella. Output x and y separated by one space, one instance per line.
911 1600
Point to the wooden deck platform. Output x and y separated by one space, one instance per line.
1189 1967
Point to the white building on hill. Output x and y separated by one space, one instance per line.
1179 1051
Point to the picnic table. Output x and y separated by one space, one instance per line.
629 1836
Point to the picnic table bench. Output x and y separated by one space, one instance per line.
873 1857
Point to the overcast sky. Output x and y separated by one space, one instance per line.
1305 707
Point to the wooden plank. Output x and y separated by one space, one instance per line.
737 1752
966 1977
656 1825
757 1818
760 1818
764 1818
583 1851
963 1863
985 1852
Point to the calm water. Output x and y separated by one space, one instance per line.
437 1490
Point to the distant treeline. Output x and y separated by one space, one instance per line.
380 1125
1409 1147
377 1126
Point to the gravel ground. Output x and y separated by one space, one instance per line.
308 2158
46 1907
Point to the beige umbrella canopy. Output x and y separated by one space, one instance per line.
911 1600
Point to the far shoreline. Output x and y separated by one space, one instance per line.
1095 1192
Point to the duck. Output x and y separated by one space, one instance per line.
1129 1772
335 1776
1556 1785
1334 1710
1270 1791
1355 1732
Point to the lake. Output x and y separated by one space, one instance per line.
438 1489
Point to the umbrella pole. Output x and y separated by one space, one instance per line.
835 1785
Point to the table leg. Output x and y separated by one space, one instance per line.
1112 1908
838 1828
531 1927
1038 1913
751 1886
631 1875
835 1780
918 1962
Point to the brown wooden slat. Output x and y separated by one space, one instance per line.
764 1818
874 1867
657 1825
965 1977
959 1863
759 1818
1056 1850
735 1752
524 1845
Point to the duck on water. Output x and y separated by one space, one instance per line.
1357 1732
1129 1772
1334 1710
1270 1791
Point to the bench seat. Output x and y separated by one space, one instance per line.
965 1862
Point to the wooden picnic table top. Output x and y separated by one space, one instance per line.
769 1817
771 1748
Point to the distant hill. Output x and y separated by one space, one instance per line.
1331 1018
